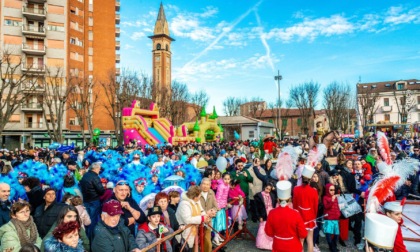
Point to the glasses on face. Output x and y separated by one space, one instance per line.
24 211
332 190
416 150
240 166
121 183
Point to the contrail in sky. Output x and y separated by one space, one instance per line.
224 33
264 41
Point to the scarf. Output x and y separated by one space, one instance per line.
21 230
371 160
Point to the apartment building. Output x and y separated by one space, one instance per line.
77 36
390 106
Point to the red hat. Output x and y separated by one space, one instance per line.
112 207
104 180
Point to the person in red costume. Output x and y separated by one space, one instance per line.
285 224
305 201
393 210
269 144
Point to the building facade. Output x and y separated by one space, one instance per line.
389 105
76 36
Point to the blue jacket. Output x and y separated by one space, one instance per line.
53 245
4 212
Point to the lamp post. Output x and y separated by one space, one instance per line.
278 78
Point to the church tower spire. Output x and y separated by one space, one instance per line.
161 58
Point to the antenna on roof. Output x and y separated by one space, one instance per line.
360 79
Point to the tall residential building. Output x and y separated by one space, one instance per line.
161 53
77 36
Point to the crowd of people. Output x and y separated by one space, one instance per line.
129 197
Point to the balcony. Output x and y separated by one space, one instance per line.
34 14
33 125
118 71
117 58
386 108
117 31
117 5
32 88
117 18
33 49
33 68
36 1
117 45
31 107
33 31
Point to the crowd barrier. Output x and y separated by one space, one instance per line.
199 243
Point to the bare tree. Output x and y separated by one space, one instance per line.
232 106
83 102
305 97
256 107
120 91
176 106
199 99
14 87
367 105
55 102
336 101
405 103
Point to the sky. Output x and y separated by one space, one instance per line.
235 48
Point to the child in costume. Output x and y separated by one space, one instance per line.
331 227
265 201
219 222
238 209
153 231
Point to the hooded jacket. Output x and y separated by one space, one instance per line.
222 194
331 207
146 237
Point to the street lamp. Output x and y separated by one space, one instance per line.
278 78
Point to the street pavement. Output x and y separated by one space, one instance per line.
246 245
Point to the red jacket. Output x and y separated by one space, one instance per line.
305 200
286 227
331 208
399 242
367 169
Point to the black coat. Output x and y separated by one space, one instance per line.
36 198
118 239
5 212
91 187
260 206
45 218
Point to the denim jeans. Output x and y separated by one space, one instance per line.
94 210
332 242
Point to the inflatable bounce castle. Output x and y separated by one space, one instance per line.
204 130
146 127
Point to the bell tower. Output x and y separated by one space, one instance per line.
161 58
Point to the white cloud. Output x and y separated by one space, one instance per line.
398 15
137 36
128 47
190 27
312 28
210 11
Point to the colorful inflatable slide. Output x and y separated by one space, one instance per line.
145 127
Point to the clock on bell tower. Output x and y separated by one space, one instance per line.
161 57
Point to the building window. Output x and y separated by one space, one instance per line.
387 117
402 100
386 101
284 123
418 99
400 86
251 134
56 28
158 46
10 22
299 121
167 48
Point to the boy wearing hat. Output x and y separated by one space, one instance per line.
305 201
285 224
393 210
153 231
380 232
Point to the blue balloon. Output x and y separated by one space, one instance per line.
54 146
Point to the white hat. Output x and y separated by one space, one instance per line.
284 190
109 185
308 171
393 206
380 230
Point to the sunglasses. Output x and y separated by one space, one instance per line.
122 183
